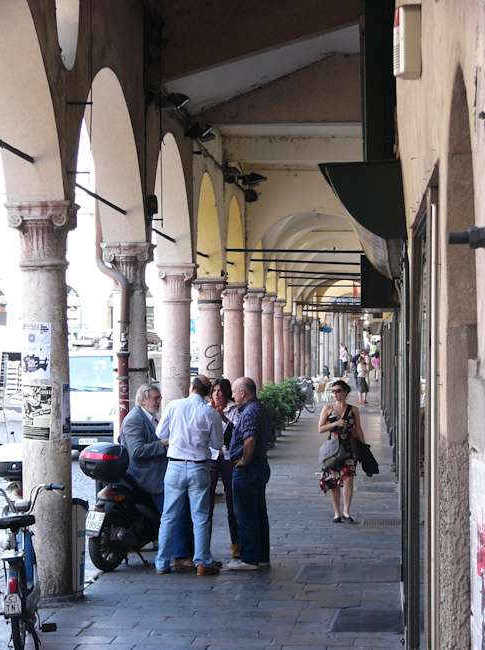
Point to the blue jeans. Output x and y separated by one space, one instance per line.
183 538
249 493
182 479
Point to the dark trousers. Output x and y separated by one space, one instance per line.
223 468
249 493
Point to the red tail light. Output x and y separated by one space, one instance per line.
96 455
13 585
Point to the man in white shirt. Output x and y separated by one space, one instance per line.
191 426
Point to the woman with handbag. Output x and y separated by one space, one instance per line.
342 422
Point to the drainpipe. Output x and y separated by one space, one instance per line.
123 353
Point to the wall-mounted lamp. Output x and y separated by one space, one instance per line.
231 174
250 196
202 132
173 101
252 178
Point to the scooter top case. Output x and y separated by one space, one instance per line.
104 461
11 455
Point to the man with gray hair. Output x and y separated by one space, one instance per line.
147 454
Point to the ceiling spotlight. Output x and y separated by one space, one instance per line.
231 174
173 101
252 179
202 132
250 196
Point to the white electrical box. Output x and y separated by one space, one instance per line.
407 42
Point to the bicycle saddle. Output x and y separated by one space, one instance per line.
15 522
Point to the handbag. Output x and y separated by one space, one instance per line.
333 453
336 461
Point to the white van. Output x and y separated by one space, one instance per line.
94 394
92 381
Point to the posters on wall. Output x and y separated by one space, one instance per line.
36 374
37 410
36 357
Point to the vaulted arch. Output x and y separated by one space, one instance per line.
27 119
209 253
171 191
116 162
236 262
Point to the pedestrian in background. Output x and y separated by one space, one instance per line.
221 465
376 365
362 374
190 426
250 476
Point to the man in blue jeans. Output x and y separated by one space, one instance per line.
250 476
190 426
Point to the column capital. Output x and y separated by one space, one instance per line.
44 226
176 282
252 300
130 259
278 307
268 303
186 271
210 292
287 321
232 297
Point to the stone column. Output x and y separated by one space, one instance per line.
302 348
336 345
176 285
130 259
278 341
268 338
253 363
308 363
287 340
313 347
209 326
43 228
321 350
296 346
232 305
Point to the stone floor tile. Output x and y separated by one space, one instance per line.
319 572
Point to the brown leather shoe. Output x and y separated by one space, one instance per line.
183 565
211 570
236 551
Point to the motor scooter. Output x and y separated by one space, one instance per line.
124 518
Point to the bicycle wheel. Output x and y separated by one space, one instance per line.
18 633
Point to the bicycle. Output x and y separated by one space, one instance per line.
22 593
306 387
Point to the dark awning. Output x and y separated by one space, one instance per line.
372 194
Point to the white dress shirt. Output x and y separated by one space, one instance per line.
191 426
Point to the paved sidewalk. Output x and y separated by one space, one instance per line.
330 586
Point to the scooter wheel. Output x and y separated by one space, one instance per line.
101 551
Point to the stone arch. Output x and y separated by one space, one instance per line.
115 159
461 316
458 319
236 272
208 231
26 110
67 18
171 191
256 270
